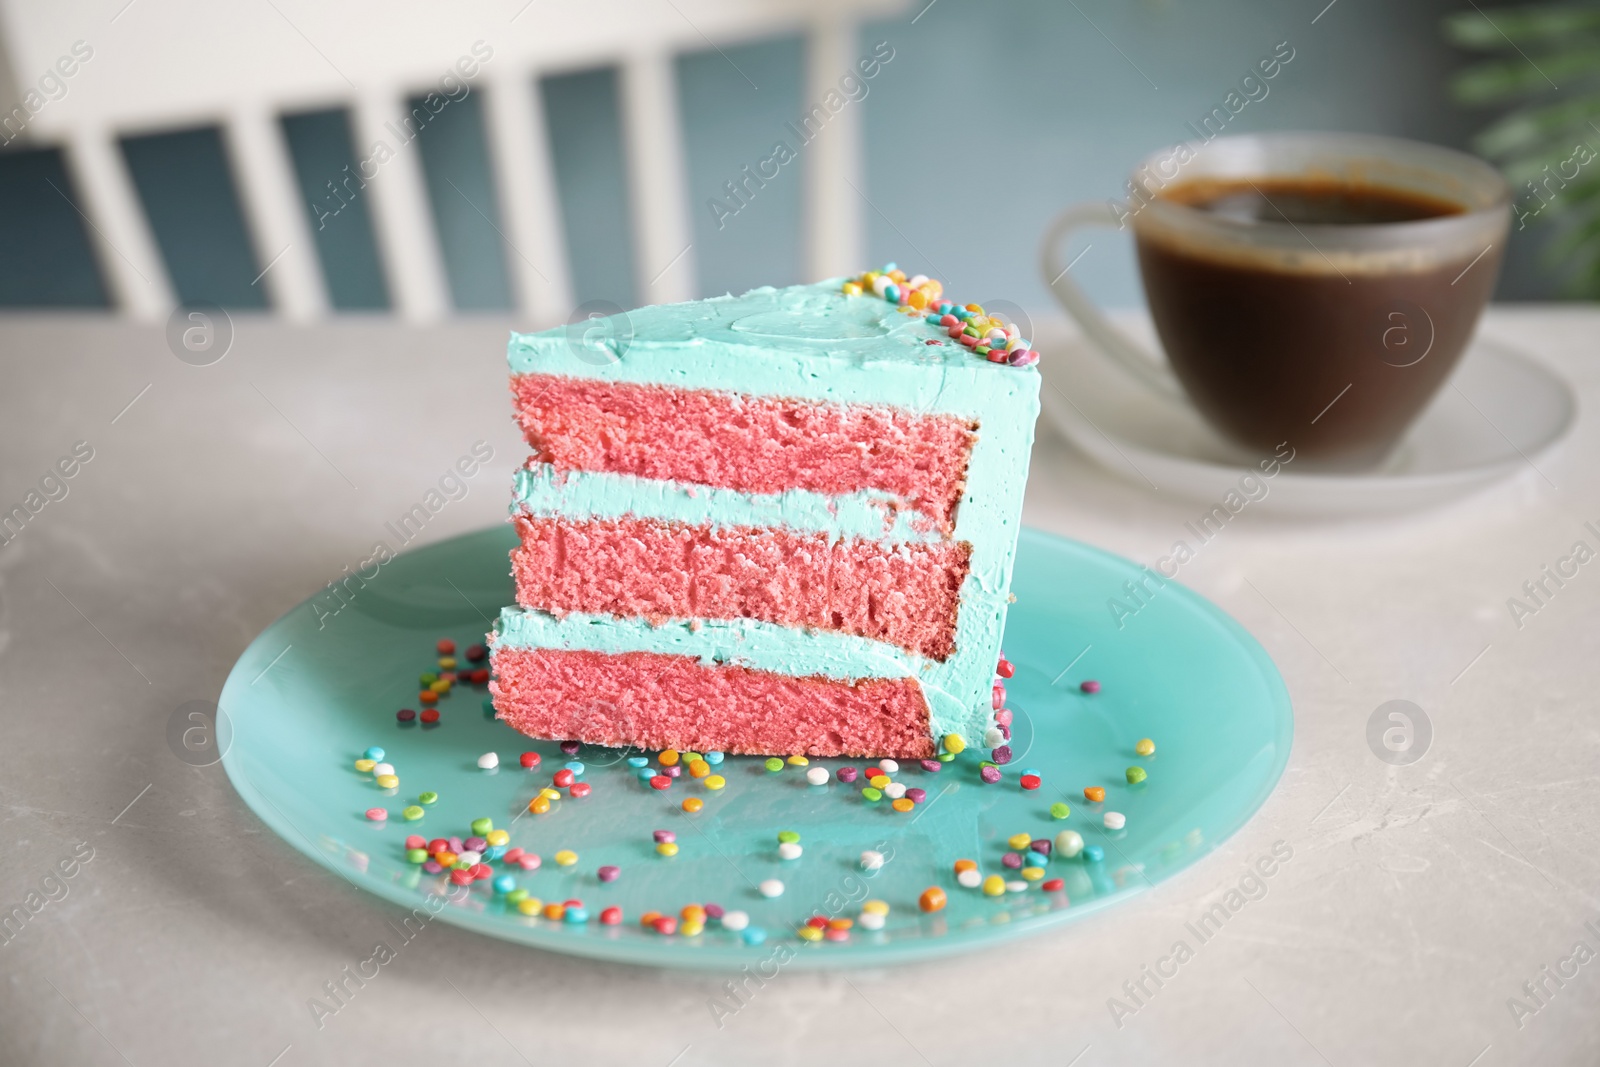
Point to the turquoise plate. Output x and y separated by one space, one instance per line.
319 686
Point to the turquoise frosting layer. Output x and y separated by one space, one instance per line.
811 342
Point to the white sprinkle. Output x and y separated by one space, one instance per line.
870 921
993 738
917 281
971 878
871 861
772 887
817 775
1017 886
1115 820
735 920
469 857
1069 843
489 760
888 766
894 790
382 768
789 850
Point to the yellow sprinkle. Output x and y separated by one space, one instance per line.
1019 840
388 781
497 837
994 886
447 663
566 858
809 933
1033 874
954 744
715 781
798 761
875 907
665 848
530 905
852 289
1145 747
441 686
689 929
878 781
365 765
550 794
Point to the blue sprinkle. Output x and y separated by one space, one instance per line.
891 293
374 753
494 852
945 308
754 935
713 758
887 267
932 320
576 768
1030 770
646 773
1093 853
576 915
638 761
504 884
961 313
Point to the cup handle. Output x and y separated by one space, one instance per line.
1141 365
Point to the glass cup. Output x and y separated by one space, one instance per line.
1329 335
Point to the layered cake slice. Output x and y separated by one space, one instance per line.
775 523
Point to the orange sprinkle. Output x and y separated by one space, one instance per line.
932 899
427 696
903 804
693 804
554 910
648 919
966 865
1094 793
669 757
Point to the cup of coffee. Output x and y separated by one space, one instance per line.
1314 288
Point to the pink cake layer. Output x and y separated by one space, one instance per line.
747 443
907 595
656 701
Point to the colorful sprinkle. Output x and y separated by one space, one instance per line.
1090 686
871 860
489 761
1094 793
1114 820
770 888
774 764
377 814
1145 747
1069 843
1136 775
932 899
715 781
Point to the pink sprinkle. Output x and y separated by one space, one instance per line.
416 841
1012 860
529 861
1003 717
664 836
990 774
932 766
1091 686
609 873
997 696
916 796
512 855
714 911
846 775
1001 755
673 771
377 814
948 321
432 867
456 846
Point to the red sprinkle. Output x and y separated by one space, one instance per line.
480 676
1005 669
1052 885
1091 686
438 844
579 789
666 925
660 781
430 715
611 916
476 653
461 877
416 841
564 778
1030 781
530 759
446 646
480 871
819 921
405 714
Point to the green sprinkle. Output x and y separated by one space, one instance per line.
946 757
689 757
412 813
982 350
516 896
1059 810
481 826
787 837
774 764
872 793
988 763
428 797
416 855
1135 775
461 865
427 678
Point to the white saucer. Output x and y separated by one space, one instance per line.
1499 413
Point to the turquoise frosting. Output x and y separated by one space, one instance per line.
807 342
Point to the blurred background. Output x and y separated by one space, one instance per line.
211 153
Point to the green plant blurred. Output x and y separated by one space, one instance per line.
1546 73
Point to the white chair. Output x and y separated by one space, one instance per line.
165 64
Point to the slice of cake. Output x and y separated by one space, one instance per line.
775 523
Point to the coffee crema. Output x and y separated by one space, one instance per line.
1305 201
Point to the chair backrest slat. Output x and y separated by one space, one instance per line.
408 247
125 247
526 187
279 228
653 143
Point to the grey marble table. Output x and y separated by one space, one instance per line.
1419 907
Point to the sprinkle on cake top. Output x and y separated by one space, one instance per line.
987 336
